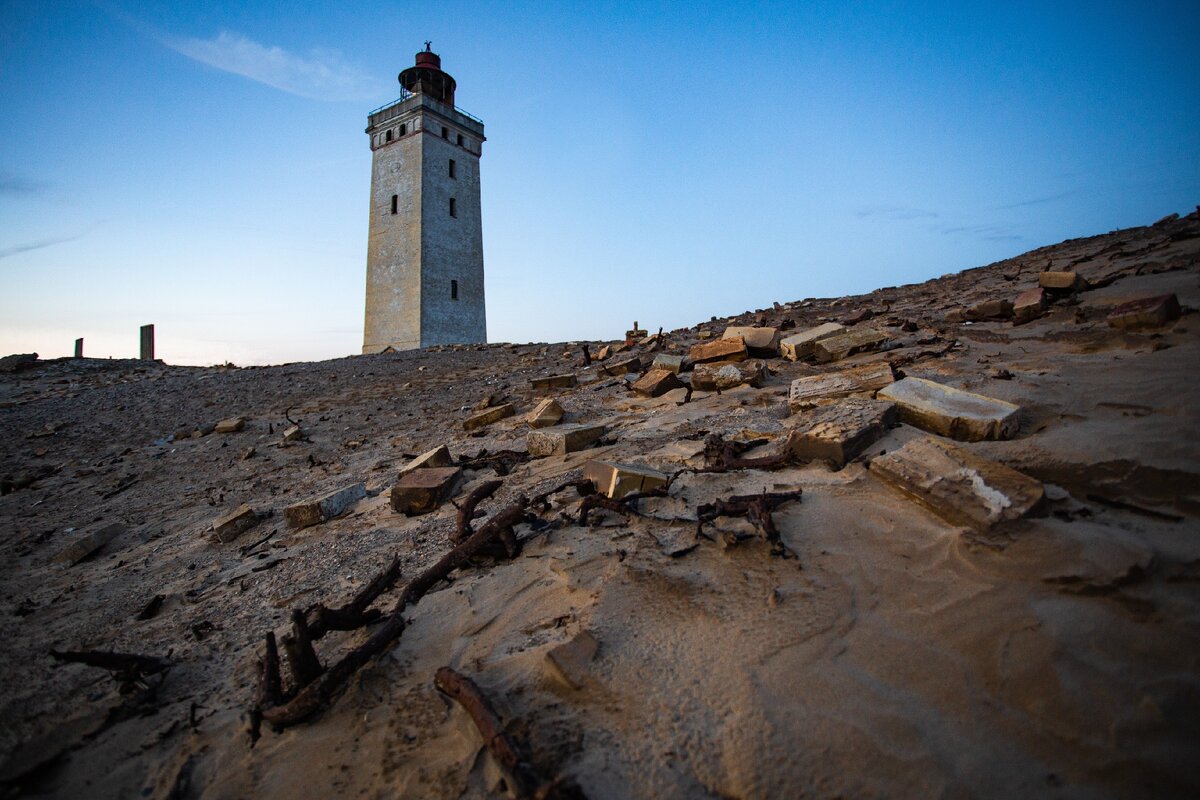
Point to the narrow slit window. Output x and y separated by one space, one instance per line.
445 133
453 290
395 202
389 135
453 171
453 207
460 140
403 129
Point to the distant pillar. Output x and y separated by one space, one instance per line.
147 343
79 348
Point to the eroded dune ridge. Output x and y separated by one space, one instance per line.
731 574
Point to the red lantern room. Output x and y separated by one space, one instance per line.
426 77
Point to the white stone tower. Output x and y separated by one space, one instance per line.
425 242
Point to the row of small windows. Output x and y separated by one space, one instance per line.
453 205
391 134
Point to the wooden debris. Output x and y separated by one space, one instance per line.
757 509
126 667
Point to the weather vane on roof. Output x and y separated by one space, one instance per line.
428 45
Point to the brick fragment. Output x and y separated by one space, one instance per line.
563 439
844 345
840 431
233 524
718 350
1060 281
1029 305
231 425
617 480
990 309
1145 312
800 345
656 383
293 433
958 485
622 367
89 544
554 382
956 413
668 361
437 457
485 418
423 490
759 341
548 412
866 379
726 375
312 512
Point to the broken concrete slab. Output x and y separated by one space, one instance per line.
617 480
546 413
485 418
990 309
808 391
1029 305
718 350
723 376
334 504
423 490
1145 312
622 367
800 345
563 439
89 544
554 382
657 382
233 524
759 341
838 432
844 345
231 425
437 457
668 362
1060 281
958 485
568 663
956 413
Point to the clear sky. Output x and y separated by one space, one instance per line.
203 166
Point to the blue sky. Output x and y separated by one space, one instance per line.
204 167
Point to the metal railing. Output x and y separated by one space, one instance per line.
407 95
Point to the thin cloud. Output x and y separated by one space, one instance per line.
39 244
12 184
894 213
1037 201
320 75
991 233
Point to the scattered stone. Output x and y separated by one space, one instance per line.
669 362
1029 305
437 457
312 512
248 453
203 430
617 480
18 361
958 485
990 309
720 377
623 367
956 315
800 345
844 345
230 526
293 434
1146 312
548 412
554 382
485 418
956 413
231 425
487 402
1060 281
718 350
604 352
702 335
568 663
89 544
657 382
839 432
865 379
423 490
759 341
563 439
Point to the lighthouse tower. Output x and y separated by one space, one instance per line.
425 240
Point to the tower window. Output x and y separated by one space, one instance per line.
445 133
389 135
403 129
460 140
453 290
395 201
453 171
453 207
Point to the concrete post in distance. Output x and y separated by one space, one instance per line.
79 348
147 343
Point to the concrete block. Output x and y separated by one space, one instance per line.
89 544
233 524
840 431
79 348
622 367
958 485
147 343
990 309
1146 312
231 425
1060 281
312 512
437 457
203 430
718 350
800 345
759 341
657 382
423 490
1029 305
485 418
604 352
293 434
554 382
722 376
548 412
669 362
835 348
617 480
563 439
569 663
942 409
808 391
